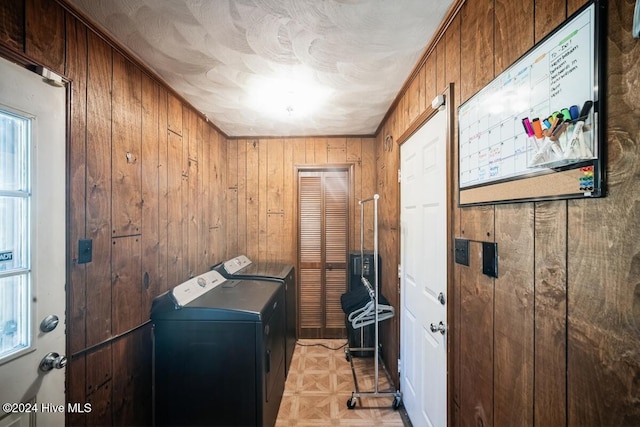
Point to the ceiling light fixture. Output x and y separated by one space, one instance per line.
282 98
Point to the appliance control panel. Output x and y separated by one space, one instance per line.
187 291
236 264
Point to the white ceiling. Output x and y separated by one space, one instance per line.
349 56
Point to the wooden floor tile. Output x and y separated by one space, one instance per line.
321 381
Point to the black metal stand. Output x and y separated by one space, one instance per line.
373 292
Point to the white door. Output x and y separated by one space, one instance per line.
423 258
32 248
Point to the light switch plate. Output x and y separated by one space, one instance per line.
462 251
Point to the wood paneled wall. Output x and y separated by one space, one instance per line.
261 199
146 183
555 339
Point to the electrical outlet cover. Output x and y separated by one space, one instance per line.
490 259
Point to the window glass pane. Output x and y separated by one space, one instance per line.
15 225
13 152
14 314
13 233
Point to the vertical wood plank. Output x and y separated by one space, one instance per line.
402 113
369 189
354 155
263 147
574 5
452 59
288 197
441 74
127 309
126 148
513 31
174 210
185 193
193 218
98 203
549 14
603 255
98 372
476 338
131 395
206 199
241 214
76 67
101 410
451 41
275 176
310 157
430 82
320 149
234 203
221 218
12 30
550 313
298 158
75 379
275 238
45 33
477 223
476 47
174 114
416 95
163 191
195 135
252 206
337 150
513 316
150 193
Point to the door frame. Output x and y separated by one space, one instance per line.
452 298
320 167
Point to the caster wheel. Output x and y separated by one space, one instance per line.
347 357
397 401
351 403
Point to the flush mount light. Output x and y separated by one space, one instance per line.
283 98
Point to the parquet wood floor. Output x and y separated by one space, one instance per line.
320 382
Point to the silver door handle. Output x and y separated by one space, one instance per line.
440 327
51 361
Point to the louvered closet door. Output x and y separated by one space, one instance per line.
323 240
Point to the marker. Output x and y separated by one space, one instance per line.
537 128
574 112
565 113
527 127
547 123
584 113
557 120
559 128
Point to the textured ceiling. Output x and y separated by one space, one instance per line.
277 67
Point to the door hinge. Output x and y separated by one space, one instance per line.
399 176
399 366
399 271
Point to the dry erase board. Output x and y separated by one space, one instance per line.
539 118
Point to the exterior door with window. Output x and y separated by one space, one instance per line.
32 249
323 240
